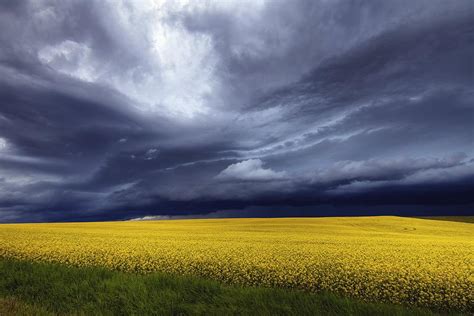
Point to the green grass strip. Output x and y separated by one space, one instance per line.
28 288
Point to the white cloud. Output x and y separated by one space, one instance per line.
161 66
151 218
3 144
251 170
71 58
151 153
420 177
380 169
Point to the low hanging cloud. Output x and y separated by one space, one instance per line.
385 169
250 170
455 175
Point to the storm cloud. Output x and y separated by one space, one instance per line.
127 109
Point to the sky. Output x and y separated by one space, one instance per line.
122 109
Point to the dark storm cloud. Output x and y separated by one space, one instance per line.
122 110
271 49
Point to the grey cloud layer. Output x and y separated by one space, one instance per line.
122 109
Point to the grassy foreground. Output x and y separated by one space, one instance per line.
28 288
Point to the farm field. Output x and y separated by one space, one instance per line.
419 262
464 219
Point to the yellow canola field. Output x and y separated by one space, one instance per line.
393 259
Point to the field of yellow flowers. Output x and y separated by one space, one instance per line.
392 259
